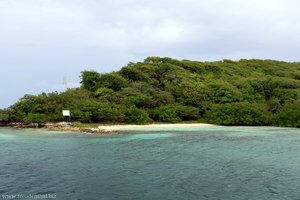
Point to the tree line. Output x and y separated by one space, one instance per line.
245 92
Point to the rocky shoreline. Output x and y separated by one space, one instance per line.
60 126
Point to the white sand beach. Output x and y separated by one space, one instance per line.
109 128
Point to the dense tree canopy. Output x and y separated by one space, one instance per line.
245 92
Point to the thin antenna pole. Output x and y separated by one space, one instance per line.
65 82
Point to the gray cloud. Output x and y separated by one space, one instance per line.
42 40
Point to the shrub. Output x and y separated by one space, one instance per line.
165 114
36 118
289 116
135 115
238 114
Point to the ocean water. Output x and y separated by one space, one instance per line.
201 163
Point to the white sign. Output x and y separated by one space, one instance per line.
66 113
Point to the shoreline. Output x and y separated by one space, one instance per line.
102 128
131 127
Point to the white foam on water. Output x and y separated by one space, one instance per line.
147 136
138 136
4 136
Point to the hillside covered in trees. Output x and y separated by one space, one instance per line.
245 92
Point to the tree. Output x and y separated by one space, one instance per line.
187 112
245 92
135 115
4 116
165 114
133 74
238 114
90 80
222 92
289 116
112 81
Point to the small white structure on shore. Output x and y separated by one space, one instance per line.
66 113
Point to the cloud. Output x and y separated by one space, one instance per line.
135 26
44 39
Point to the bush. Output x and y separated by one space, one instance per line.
4 115
133 74
289 116
35 118
109 113
135 115
90 80
165 114
112 81
79 115
187 112
103 92
131 96
222 93
238 114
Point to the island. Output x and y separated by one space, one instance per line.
165 90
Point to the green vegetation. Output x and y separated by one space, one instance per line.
246 92
3 115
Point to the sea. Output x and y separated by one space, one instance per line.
214 163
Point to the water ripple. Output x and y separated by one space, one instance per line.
209 163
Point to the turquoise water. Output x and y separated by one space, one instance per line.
199 163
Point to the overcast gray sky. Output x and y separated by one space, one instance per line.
41 41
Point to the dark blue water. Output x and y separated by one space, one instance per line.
204 163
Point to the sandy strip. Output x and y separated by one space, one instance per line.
150 126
